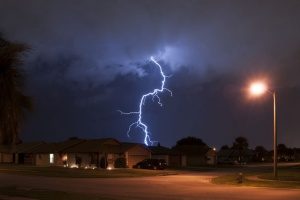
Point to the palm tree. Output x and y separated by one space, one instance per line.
13 102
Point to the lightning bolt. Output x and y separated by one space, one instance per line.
154 94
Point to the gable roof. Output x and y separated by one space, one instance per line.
27 147
107 145
125 146
57 147
6 149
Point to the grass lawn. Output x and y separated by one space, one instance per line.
284 174
287 178
81 173
42 194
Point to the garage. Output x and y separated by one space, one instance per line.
135 153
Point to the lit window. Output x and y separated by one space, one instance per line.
51 156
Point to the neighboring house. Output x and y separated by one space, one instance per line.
24 152
52 154
134 153
231 156
211 156
172 157
6 154
93 153
102 153
196 155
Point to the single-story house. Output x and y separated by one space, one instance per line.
171 156
196 155
134 153
52 154
24 152
93 153
6 154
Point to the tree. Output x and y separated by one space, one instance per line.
13 101
260 153
225 147
190 141
283 152
240 144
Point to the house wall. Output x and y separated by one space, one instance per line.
211 160
59 159
183 161
26 158
92 159
43 159
195 160
136 154
6 158
111 158
84 157
175 161
211 157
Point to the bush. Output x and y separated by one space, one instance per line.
120 163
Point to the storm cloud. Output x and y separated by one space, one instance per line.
89 58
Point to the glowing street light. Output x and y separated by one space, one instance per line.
257 89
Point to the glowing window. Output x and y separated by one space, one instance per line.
51 156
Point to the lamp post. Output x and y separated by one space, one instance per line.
257 89
275 135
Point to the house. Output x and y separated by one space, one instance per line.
52 154
93 153
24 152
171 156
197 155
6 154
134 153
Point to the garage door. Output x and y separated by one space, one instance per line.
134 159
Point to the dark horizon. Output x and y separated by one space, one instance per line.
90 59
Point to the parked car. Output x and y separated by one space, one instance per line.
151 164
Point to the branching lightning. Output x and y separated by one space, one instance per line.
139 123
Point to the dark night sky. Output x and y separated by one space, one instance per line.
90 58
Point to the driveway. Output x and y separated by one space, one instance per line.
186 186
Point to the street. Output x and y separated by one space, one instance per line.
186 186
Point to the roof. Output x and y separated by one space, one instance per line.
107 145
6 148
125 146
27 147
57 147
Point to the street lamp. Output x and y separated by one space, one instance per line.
257 89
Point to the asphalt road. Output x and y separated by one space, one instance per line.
186 186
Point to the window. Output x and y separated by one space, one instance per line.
51 156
